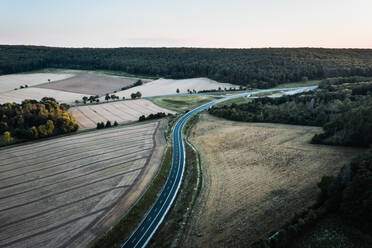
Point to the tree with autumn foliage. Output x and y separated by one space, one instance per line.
32 120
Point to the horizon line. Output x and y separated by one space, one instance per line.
193 47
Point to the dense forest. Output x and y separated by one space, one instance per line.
342 106
32 120
258 68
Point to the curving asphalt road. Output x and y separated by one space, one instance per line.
155 216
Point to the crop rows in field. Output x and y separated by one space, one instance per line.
51 192
20 95
121 111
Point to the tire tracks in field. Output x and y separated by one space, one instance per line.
53 228
118 108
92 135
86 116
70 189
135 182
117 116
70 154
69 170
63 205
71 178
100 213
142 145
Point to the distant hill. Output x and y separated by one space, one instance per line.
261 68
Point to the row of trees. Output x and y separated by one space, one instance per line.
32 120
101 125
153 116
257 68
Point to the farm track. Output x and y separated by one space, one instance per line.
53 192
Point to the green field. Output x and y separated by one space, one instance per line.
298 84
181 103
73 71
239 100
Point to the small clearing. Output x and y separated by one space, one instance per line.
92 83
162 87
67 191
256 176
120 111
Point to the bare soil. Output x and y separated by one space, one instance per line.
65 192
91 84
255 177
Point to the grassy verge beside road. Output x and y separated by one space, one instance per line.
298 84
181 103
171 232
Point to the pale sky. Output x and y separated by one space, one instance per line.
187 23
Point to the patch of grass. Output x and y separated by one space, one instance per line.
181 103
121 231
57 71
298 84
123 74
239 100
261 94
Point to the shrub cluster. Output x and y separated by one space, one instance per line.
153 116
101 125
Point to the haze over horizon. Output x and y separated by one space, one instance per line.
207 23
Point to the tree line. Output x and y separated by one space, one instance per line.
33 120
257 68
344 110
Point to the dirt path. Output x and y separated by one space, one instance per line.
255 177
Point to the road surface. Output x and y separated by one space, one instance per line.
154 217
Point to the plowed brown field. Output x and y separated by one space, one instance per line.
91 84
65 191
255 177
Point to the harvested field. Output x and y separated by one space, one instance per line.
169 86
11 81
66 191
256 175
37 93
91 83
121 111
